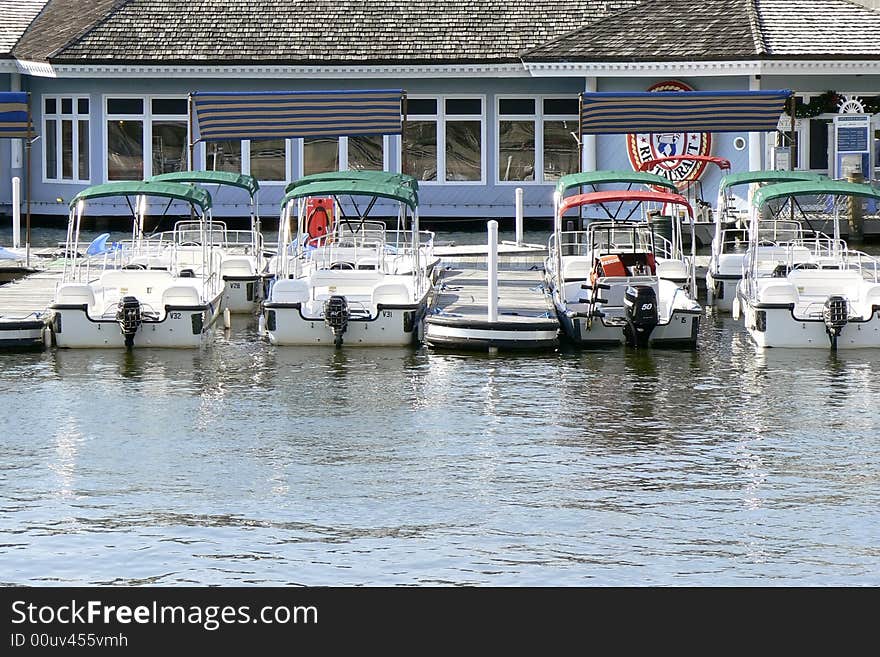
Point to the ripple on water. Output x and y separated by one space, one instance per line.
252 465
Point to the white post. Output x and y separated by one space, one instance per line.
493 271
16 212
590 158
519 216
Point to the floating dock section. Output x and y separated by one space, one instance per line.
461 315
24 307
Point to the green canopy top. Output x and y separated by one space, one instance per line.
376 177
748 177
602 177
195 195
240 180
356 187
813 187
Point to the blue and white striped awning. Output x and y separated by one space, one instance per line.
287 114
681 111
14 114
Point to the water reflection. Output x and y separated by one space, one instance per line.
242 463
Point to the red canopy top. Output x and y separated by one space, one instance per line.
623 195
721 162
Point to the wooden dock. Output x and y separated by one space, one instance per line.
458 316
24 306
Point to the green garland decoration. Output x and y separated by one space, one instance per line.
828 103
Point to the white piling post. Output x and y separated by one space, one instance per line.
493 271
519 216
16 212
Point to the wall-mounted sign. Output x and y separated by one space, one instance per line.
852 145
642 147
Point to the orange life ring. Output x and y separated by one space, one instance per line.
319 220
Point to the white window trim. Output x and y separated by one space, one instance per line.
58 117
146 117
246 162
441 118
539 118
342 155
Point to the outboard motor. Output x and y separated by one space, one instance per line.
336 316
640 311
128 315
835 314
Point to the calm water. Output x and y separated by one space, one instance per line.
244 463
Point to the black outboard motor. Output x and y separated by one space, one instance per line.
128 315
835 314
640 311
336 316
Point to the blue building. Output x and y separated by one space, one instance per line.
492 87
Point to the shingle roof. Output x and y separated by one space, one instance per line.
296 31
684 30
17 15
818 27
60 23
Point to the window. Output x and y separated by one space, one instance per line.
516 139
560 147
145 137
223 156
464 139
268 159
66 139
536 140
420 156
320 154
444 139
366 153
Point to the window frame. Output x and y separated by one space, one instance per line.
539 118
75 117
146 117
441 118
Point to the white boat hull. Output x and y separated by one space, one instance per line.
720 292
778 327
285 324
181 327
242 294
681 330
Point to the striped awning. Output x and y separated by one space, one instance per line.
681 111
287 114
14 114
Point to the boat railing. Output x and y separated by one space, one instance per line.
733 240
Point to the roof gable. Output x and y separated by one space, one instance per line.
17 15
62 22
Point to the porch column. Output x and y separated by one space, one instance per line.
588 162
756 151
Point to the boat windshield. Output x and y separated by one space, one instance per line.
615 237
780 231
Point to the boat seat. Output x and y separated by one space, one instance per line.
75 294
290 290
181 295
237 266
393 294
367 263
826 282
777 290
674 270
576 268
